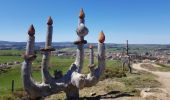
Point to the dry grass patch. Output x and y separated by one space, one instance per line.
149 67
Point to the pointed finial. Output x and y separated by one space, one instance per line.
82 14
50 21
101 37
31 31
90 46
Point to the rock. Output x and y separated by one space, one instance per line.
17 62
146 93
92 94
10 63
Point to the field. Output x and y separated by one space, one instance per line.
113 71
14 73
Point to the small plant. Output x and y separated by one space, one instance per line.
112 73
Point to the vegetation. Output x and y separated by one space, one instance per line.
11 52
5 59
59 63
163 67
160 67
141 80
113 79
115 87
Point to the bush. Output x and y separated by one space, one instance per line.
112 73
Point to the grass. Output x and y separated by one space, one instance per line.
5 59
61 63
115 87
141 80
6 79
15 74
160 67
11 52
118 80
163 67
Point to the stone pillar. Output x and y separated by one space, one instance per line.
46 77
82 31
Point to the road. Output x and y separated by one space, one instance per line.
163 78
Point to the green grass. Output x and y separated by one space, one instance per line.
140 80
11 52
60 63
10 56
113 70
5 59
6 79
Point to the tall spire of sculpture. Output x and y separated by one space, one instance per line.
50 21
46 77
31 31
49 32
101 37
30 46
81 16
101 52
82 31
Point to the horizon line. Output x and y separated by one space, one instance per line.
93 42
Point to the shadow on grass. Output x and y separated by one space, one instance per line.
109 95
135 73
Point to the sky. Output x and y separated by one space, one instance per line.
139 21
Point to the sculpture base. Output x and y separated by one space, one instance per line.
72 93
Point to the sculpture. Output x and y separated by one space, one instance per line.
126 60
73 80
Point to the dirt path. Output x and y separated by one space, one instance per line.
163 78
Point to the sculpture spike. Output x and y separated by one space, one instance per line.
82 14
101 37
31 31
50 21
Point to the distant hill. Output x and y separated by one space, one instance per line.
21 45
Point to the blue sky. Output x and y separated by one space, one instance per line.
139 21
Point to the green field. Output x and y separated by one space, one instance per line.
62 63
113 71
